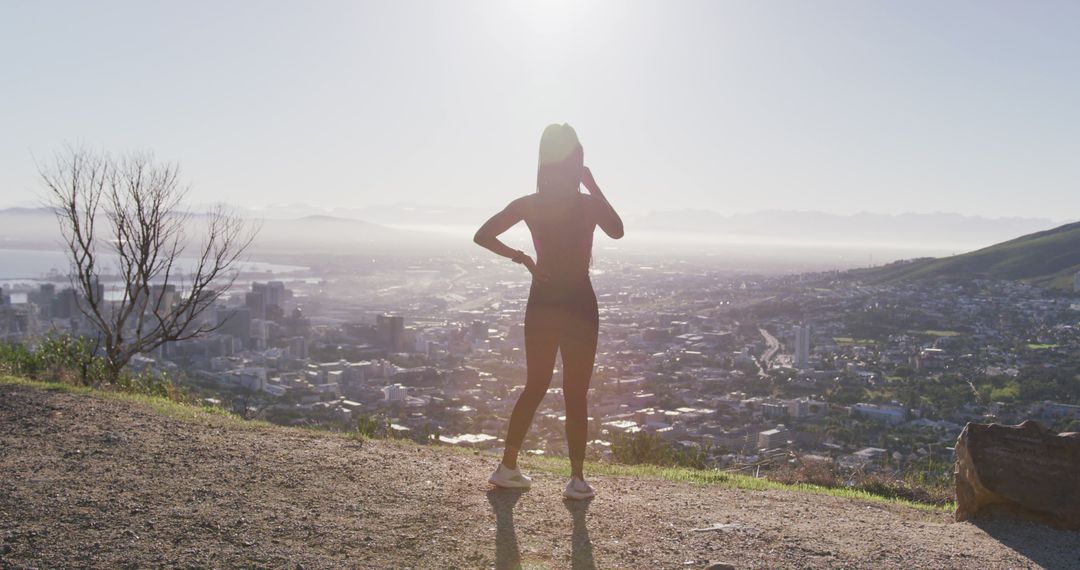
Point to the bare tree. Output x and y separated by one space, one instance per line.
122 218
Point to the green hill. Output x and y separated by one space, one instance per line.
1048 258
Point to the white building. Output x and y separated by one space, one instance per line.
251 377
771 438
805 407
395 393
328 389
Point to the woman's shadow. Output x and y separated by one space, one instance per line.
581 550
507 552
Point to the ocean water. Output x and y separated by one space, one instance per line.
24 265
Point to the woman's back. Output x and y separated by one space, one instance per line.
562 232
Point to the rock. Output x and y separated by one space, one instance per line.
720 566
730 527
1024 471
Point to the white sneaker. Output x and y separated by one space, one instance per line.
578 489
509 478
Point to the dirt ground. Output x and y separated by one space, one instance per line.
89 482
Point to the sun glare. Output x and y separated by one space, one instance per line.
552 16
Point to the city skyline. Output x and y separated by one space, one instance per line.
862 107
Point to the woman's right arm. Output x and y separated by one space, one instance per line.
488 234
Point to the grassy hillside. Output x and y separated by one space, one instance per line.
1048 258
219 418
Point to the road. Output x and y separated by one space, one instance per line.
770 352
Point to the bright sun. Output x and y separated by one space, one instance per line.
552 16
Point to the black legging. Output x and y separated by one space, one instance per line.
562 318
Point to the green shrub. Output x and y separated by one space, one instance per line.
74 360
56 358
72 357
641 447
150 384
651 449
373 426
17 360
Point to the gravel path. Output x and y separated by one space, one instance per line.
90 482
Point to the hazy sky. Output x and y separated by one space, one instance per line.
970 107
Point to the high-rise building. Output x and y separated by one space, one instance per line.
236 323
391 331
298 347
260 334
65 305
256 300
43 298
802 346
276 294
162 298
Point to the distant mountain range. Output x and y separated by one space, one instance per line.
797 240
938 230
1050 258
942 231
37 228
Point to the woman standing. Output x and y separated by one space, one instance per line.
561 315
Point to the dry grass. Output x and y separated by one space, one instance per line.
936 491
809 480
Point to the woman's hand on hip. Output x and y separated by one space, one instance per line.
537 273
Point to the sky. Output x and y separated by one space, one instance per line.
842 107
